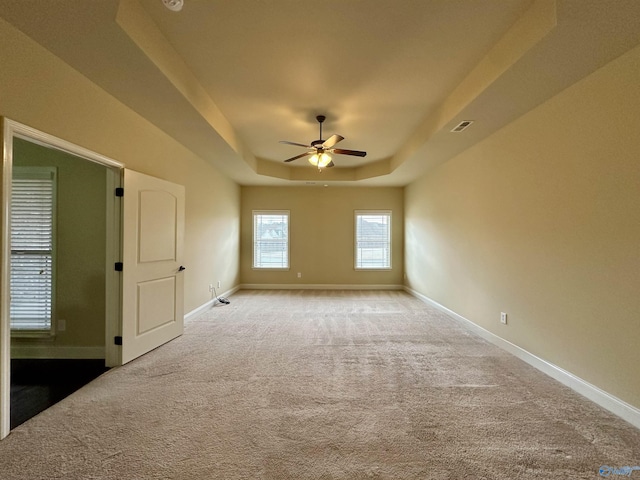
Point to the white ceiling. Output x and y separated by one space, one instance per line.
229 79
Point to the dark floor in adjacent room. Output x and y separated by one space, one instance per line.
36 384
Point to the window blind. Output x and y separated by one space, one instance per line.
271 240
373 240
32 225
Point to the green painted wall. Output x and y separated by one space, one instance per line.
79 244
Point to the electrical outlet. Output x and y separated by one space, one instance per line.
218 284
62 325
503 318
299 275
211 287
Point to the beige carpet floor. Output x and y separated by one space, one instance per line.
322 385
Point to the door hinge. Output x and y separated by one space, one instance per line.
118 266
119 192
117 340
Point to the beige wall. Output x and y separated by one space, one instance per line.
542 221
80 244
321 234
39 90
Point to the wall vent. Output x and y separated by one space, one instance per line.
462 126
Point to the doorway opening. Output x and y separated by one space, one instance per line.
55 328
58 281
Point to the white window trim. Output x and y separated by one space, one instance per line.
254 213
27 172
355 239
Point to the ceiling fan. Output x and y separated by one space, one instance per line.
320 149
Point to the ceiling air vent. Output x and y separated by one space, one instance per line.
462 126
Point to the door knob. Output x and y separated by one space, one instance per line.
181 268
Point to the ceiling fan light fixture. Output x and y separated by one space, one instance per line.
173 5
320 160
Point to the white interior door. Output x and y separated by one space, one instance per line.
152 276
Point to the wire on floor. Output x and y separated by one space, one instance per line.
222 300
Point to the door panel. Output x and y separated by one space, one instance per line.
152 282
158 214
156 304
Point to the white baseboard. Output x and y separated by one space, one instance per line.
57 352
317 286
607 401
206 306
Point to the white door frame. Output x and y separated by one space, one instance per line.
10 130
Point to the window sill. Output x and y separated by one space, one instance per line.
33 334
377 269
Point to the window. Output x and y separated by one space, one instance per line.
271 239
373 240
32 234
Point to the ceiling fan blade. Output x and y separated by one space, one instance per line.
298 156
355 153
331 141
330 164
296 144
